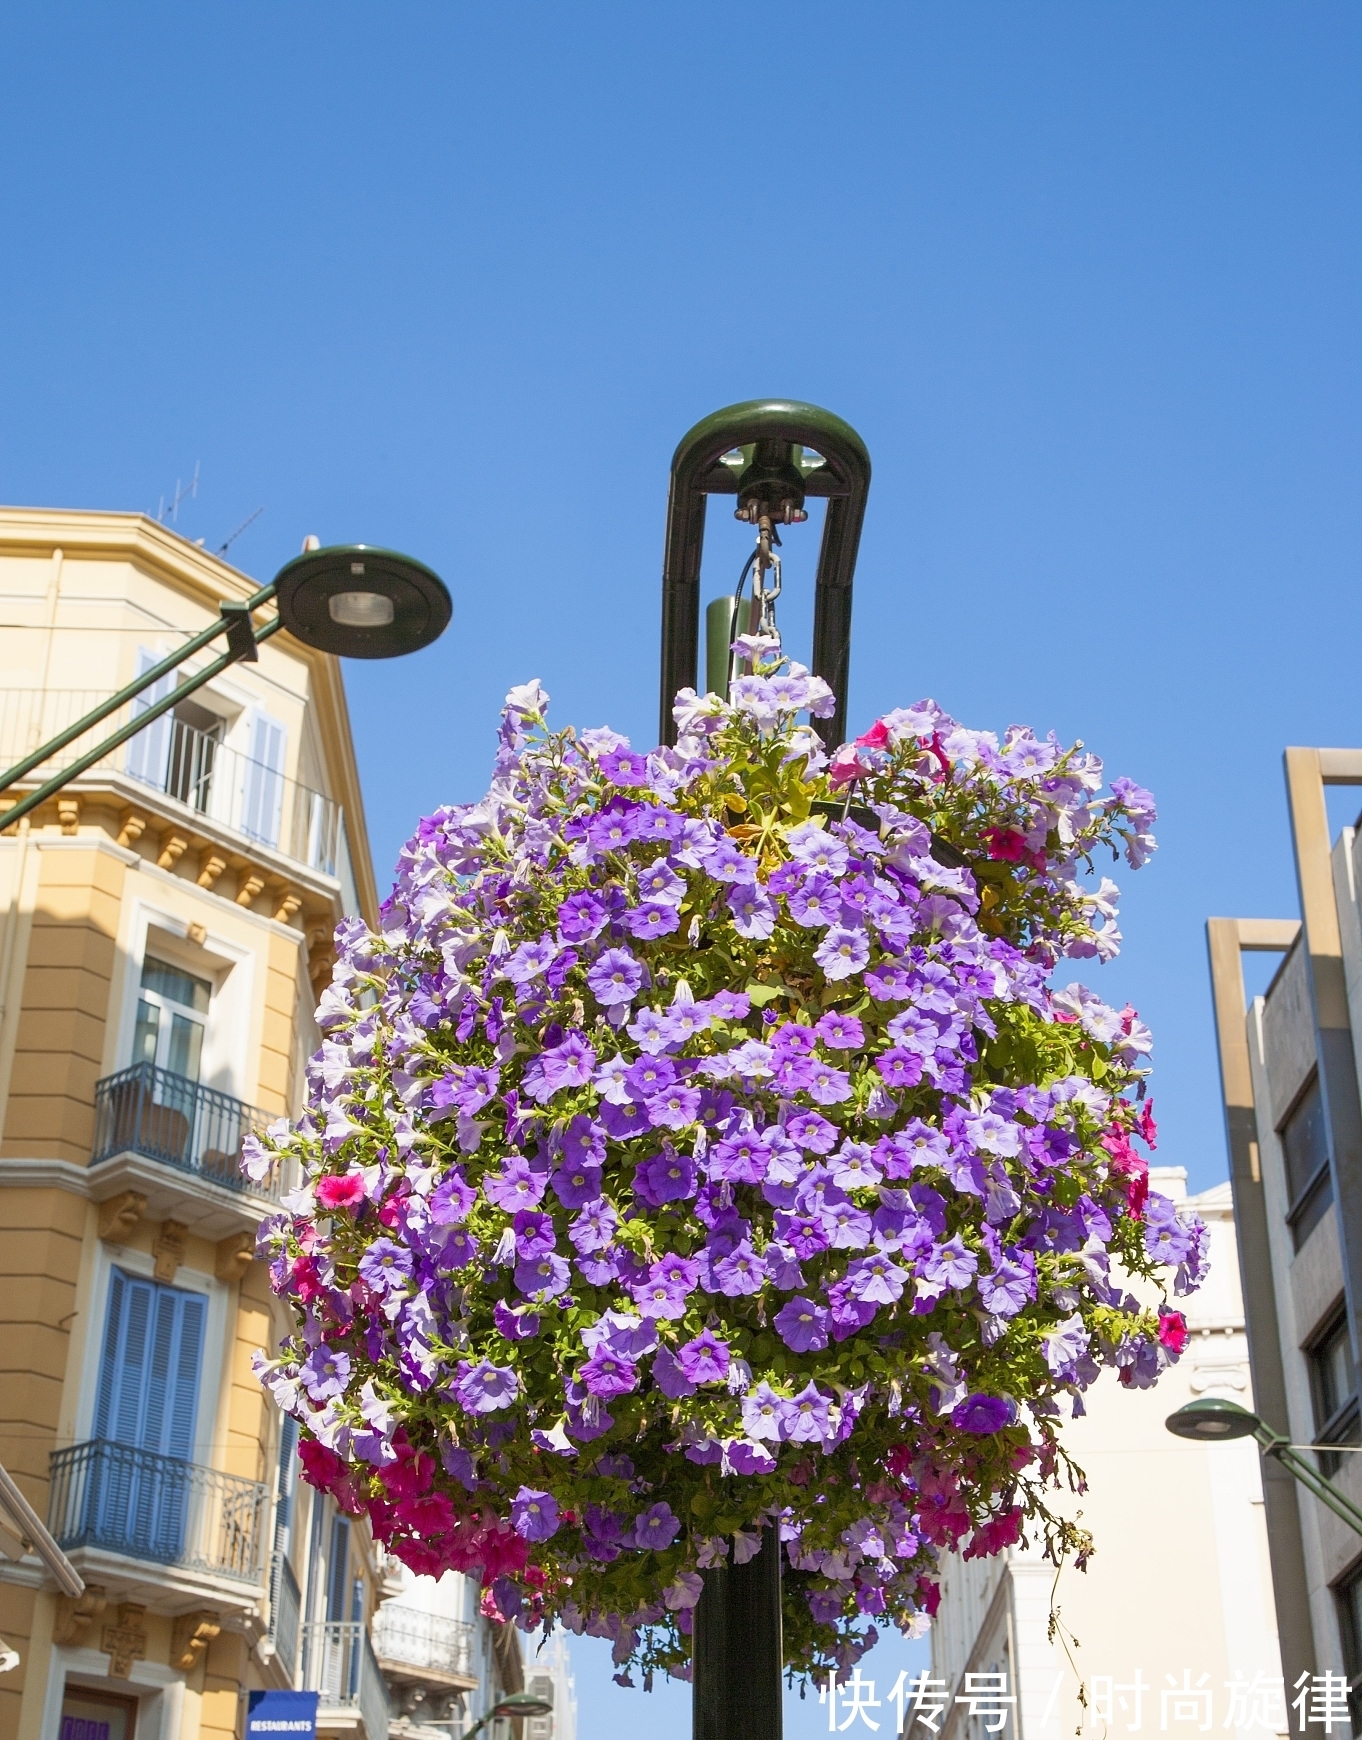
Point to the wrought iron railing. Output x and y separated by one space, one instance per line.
196 768
286 1606
157 1508
168 1117
338 1662
431 1642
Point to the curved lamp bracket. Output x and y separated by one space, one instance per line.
772 453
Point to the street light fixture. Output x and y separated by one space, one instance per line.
350 600
1213 1420
513 1705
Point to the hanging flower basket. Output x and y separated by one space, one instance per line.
699 1148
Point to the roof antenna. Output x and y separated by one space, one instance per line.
180 494
223 548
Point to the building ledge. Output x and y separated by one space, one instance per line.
166 1589
447 1680
206 1209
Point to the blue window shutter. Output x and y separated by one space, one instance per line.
149 1375
149 751
338 1581
262 795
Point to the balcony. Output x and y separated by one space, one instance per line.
338 1663
412 1645
119 1511
144 1114
230 793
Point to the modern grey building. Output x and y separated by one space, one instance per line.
1289 1067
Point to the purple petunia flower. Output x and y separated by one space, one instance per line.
656 1528
741 1271
594 1228
829 1085
484 1388
812 1132
803 1326
876 1279
581 917
669 1177
813 845
583 1142
576 1186
624 767
528 961
814 902
669 1377
762 1412
542 1277
754 917
655 918
325 1372
660 1297
730 1005
804 1418
568 1064
602 1533
675 1107
705 1360
533 1232
534 1515
615 978
611 831
983 1414
517 1185
624 1121
607 1374
889 982
900 1068
385 1266
842 952
1010 1287
841 1032
727 862
659 882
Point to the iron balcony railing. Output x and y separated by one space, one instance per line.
427 1642
338 1663
157 1508
246 795
286 1606
167 1117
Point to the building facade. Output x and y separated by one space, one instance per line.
1171 1628
1289 1073
166 922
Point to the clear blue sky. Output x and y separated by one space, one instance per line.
457 280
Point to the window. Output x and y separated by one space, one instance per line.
1305 1149
1333 1379
93 1716
148 1391
172 1010
195 737
1348 1596
149 750
262 792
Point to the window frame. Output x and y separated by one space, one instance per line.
1344 1424
1315 1197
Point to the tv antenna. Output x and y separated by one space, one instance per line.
223 548
180 493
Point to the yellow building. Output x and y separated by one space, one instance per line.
164 924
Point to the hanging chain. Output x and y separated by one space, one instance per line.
767 564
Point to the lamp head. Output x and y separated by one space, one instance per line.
361 603
1211 1419
523 1704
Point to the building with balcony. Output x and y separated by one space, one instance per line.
1179 1579
164 925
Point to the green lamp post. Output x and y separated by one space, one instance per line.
1210 1420
350 600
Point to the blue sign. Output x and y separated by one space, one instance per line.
281 1716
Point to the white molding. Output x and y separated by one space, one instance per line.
20 1174
158 1689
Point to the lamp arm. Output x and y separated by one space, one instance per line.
137 723
223 625
1310 1478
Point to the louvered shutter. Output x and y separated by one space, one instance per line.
262 794
149 750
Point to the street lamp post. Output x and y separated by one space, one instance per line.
350 600
772 454
1209 1420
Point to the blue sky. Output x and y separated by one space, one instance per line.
456 280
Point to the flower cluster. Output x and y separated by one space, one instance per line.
699 1148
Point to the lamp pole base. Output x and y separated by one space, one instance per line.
737 1651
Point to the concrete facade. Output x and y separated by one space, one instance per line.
1177 1597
